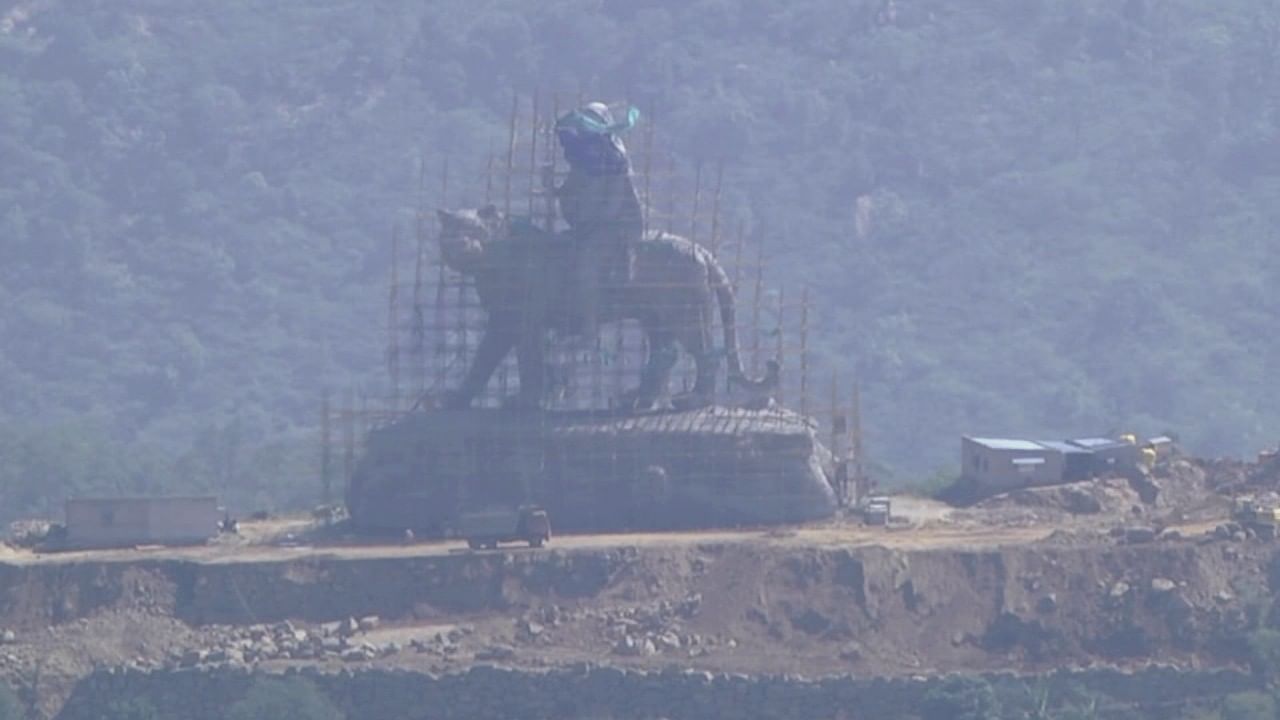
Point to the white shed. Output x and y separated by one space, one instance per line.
999 464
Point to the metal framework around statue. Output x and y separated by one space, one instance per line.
431 345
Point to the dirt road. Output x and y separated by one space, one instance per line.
286 540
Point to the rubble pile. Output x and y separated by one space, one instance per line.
1036 505
657 629
287 640
1177 490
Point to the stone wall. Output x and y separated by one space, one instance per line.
486 692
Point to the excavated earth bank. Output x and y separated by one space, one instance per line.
627 623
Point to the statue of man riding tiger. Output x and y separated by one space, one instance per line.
604 267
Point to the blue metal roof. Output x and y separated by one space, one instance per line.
1097 443
1008 444
1064 447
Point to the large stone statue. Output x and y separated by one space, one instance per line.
599 203
522 276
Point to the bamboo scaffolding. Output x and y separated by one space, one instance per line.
804 350
447 315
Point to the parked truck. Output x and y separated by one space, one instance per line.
1260 517
876 510
488 527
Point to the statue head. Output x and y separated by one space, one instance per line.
466 236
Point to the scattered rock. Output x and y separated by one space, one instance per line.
1119 590
626 646
668 641
355 654
1139 535
1161 585
1047 604
495 652
8 637
1078 502
348 627
1179 608
369 623
689 606
193 657
304 652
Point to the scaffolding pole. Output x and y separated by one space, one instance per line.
326 454
393 320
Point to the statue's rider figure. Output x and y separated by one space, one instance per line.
598 201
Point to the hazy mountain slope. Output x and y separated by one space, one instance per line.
1071 205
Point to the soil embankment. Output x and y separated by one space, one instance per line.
815 602
1146 590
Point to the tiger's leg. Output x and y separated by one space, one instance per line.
663 353
695 336
493 347
531 367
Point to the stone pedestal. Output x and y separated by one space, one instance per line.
713 467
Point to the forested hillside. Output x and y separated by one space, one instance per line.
1041 217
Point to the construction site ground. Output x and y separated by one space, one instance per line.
1072 576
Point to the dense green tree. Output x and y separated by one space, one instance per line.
1249 706
11 708
287 699
131 709
960 698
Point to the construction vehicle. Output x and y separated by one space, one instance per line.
876 510
1262 518
491 526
